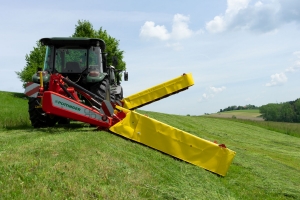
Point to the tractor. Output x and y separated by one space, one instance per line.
77 84
83 61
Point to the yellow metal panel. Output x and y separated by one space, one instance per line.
175 142
158 92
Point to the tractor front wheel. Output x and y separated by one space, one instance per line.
37 116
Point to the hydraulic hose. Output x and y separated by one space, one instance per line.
78 87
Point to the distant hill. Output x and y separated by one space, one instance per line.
240 114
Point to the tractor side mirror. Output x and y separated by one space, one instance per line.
125 76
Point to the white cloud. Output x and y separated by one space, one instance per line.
217 90
262 16
296 65
204 95
211 93
150 30
218 24
180 29
281 78
277 79
294 68
236 5
259 3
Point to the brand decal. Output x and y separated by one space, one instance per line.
64 104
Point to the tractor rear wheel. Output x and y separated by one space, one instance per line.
37 116
101 89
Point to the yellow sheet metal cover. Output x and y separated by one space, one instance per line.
175 142
159 91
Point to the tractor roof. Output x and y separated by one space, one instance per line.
70 41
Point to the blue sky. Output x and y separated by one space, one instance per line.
239 51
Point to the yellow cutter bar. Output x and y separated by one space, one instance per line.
158 92
174 142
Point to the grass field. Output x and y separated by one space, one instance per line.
77 162
240 114
14 112
252 117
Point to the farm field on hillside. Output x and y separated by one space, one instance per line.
252 117
240 114
77 162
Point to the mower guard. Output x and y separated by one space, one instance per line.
185 146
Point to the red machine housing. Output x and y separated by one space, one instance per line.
62 100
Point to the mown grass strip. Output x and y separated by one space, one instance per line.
292 129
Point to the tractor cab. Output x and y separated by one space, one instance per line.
79 59
82 61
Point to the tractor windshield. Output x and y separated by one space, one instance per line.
73 59
70 60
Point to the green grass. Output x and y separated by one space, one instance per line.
13 110
251 117
77 162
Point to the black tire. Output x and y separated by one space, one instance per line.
119 96
101 89
37 116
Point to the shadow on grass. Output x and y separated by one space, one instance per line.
57 129
62 128
19 95
17 127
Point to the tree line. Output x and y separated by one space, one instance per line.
281 112
246 107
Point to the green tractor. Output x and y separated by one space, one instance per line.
83 61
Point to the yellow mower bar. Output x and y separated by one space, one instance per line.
174 142
158 92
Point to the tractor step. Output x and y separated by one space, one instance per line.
158 92
175 142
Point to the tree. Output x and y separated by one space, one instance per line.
287 113
283 112
84 28
34 61
297 110
270 112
